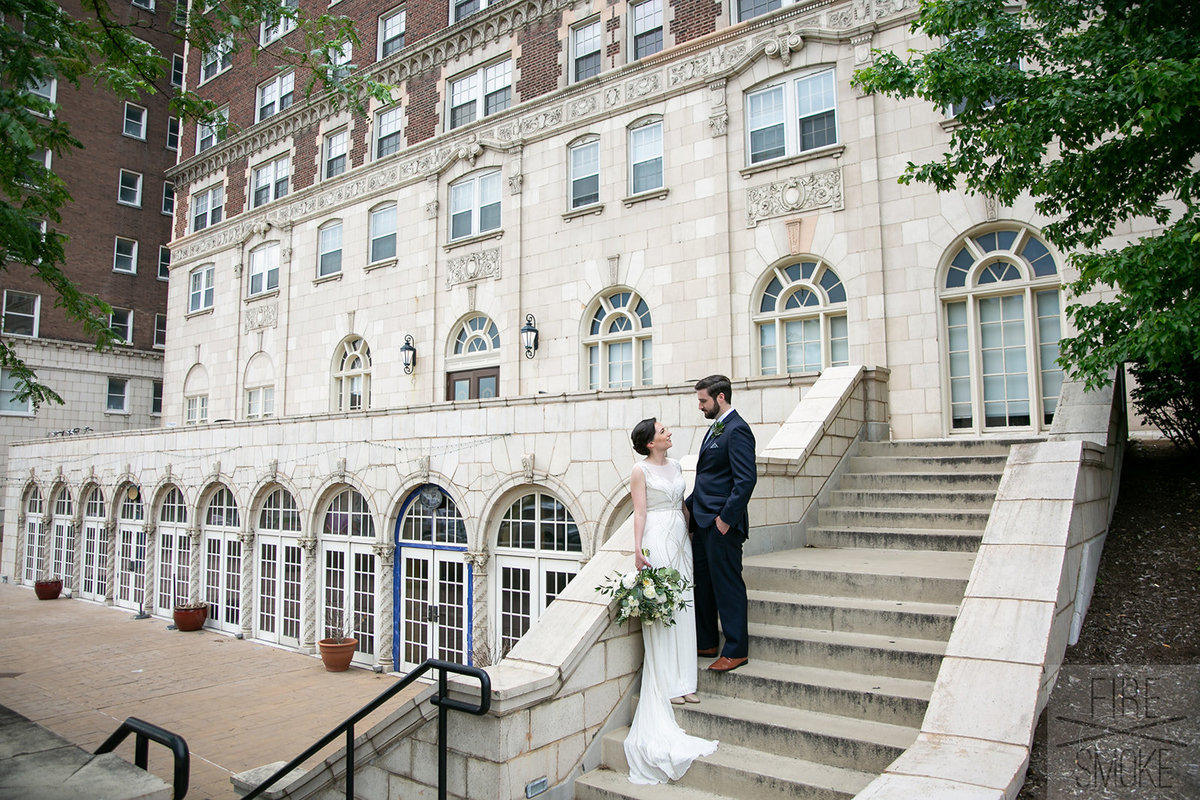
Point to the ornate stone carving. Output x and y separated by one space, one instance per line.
386 553
473 266
801 193
309 545
423 467
582 106
431 209
991 207
515 183
718 125
783 46
862 49
261 316
478 559
527 467
642 85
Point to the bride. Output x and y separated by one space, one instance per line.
657 749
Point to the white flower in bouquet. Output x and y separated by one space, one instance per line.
649 592
629 580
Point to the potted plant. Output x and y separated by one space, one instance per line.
337 648
188 616
47 588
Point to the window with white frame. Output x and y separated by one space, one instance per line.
280 569
10 395
174 551
172 133
391 32
22 313
160 330
801 319
116 399
475 204
156 397
221 561
216 59
146 4
341 61
180 17
465 8
585 172
208 207
121 323
168 198
271 181
264 268
177 67
586 41
647 28
477 334
481 94
329 248
208 134
619 347
125 255
538 552
352 375
383 233
275 95
646 157
129 188
200 288
348 568
388 134
260 402
748 9
337 153
280 24
135 121
1002 310
195 409
47 90
792 116
164 262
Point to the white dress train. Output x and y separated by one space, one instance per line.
656 748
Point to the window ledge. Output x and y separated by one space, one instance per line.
653 194
110 412
831 151
330 278
262 295
950 123
467 240
387 262
583 211
199 313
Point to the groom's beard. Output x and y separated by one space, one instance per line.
712 413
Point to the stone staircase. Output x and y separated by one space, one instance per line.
846 636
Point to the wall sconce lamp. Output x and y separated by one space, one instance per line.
408 354
529 336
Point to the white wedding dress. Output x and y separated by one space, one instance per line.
657 749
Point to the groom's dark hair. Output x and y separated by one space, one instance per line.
642 435
715 385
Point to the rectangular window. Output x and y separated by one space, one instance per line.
164 262
341 61
767 124
748 9
816 103
387 132
585 46
391 32
271 181
383 233
172 133
282 24
260 402
195 410
168 199
209 134
121 323
135 121
207 207
786 120
146 4
465 8
275 95
117 388
217 59
647 28
646 158
264 269
156 396
585 174
125 255
475 205
129 189
200 289
177 70
9 396
160 330
481 94
330 247
21 313
337 146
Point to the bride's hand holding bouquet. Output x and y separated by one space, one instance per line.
652 595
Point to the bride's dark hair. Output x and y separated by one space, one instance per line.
642 435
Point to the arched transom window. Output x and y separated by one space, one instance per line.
476 335
352 375
801 319
618 343
1002 310
433 517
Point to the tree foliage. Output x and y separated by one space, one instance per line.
41 42
1092 108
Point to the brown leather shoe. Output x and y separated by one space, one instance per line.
708 651
726 664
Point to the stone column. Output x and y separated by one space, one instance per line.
196 557
46 563
482 646
385 559
109 529
308 608
249 559
149 573
77 556
22 533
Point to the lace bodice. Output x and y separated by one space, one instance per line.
664 486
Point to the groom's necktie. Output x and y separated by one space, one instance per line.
708 435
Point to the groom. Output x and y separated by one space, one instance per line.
725 477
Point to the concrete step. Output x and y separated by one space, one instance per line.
857 614
605 784
909 498
922 481
949 517
928 463
897 701
736 771
919 447
867 537
906 575
868 653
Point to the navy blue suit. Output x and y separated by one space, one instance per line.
725 476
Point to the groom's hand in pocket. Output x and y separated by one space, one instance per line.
722 528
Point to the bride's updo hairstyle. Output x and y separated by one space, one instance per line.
642 435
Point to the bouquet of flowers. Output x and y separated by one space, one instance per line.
651 595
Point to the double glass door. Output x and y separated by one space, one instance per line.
434 606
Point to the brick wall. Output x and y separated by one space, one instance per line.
693 19
539 67
422 107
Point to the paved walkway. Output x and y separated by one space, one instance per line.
80 669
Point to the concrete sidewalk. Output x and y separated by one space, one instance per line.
80 669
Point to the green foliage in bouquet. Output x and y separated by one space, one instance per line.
651 595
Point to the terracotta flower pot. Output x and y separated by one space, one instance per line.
190 618
47 590
337 656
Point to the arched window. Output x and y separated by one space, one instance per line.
62 565
94 575
476 335
538 549
174 552
352 375
1002 313
618 342
473 369
131 550
348 574
223 561
280 569
35 542
801 319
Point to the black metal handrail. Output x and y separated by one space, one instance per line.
144 733
441 700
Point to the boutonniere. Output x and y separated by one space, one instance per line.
718 429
